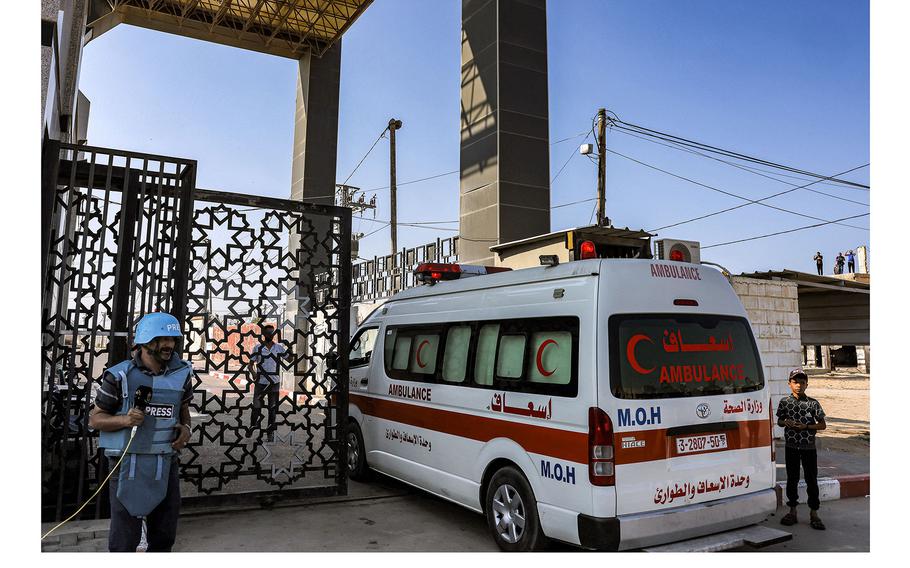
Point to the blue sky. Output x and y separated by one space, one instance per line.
784 81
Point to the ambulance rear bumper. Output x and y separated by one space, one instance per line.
627 532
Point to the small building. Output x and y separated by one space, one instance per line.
609 242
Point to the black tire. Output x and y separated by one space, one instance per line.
511 511
356 465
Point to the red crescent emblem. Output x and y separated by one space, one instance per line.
630 353
420 363
540 351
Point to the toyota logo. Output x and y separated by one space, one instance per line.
703 410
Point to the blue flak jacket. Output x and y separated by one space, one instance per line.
143 475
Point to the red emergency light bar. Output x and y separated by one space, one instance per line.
433 272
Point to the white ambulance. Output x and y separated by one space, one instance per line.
609 403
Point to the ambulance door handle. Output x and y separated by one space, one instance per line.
364 381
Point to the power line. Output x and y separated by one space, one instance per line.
408 182
574 202
728 153
572 155
560 141
784 232
381 136
752 170
375 231
384 187
718 190
700 217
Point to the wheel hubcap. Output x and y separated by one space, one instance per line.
353 451
508 513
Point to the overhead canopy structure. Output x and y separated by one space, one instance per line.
833 310
287 28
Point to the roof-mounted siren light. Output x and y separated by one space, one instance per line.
679 251
433 272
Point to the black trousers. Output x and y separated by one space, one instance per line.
161 524
819 266
850 267
270 394
809 460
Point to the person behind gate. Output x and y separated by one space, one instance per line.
147 486
268 380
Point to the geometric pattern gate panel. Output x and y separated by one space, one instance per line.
127 233
258 262
113 249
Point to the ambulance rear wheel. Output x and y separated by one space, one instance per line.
512 512
357 461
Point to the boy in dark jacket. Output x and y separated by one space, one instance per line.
801 418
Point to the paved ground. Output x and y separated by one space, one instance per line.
847 522
413 521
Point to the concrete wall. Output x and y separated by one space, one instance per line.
774 312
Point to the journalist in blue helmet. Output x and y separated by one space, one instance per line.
142 412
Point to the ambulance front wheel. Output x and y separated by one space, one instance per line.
357 460
512 512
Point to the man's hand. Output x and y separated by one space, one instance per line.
183 436
133 418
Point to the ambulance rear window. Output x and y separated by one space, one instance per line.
673 355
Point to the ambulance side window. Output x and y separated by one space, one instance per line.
510 361
401 353
549 359
362 347
537 355
486 354
412 353
455 359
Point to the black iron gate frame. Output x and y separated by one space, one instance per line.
88 312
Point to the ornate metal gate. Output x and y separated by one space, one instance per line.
127 233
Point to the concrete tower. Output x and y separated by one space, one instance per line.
505 186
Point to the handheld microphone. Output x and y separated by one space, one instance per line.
141 399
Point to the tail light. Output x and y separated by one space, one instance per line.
600 448
587 250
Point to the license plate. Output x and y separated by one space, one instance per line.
701 443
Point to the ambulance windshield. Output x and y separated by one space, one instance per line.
670 356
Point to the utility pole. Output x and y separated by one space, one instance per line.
394 125
601 166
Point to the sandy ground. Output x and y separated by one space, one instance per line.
844 395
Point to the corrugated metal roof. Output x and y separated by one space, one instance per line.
289 28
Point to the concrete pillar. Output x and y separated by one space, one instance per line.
862 358
505 186
50 10
312 178
826 357
810 356
316 128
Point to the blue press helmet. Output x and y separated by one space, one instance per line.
157 324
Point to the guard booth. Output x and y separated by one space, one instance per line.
574 244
